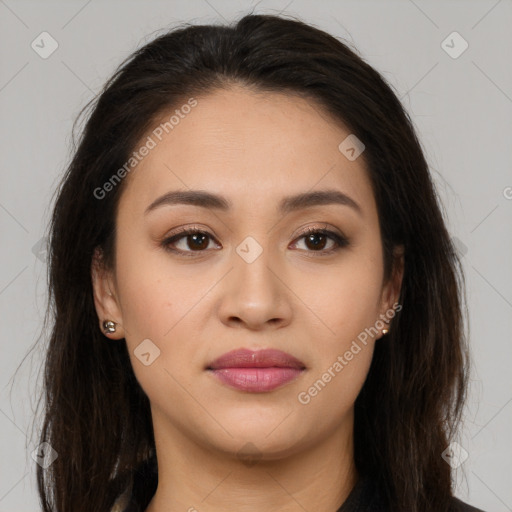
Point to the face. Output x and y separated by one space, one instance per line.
249 276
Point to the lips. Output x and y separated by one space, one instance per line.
256 372
244 358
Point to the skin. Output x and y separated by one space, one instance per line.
253 148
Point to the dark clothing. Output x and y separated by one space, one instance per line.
364 497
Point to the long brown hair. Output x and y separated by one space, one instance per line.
96 416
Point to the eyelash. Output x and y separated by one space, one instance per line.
340 240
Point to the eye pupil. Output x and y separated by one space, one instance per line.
312 236
195 237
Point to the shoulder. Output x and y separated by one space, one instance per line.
377 503
368 496
460 506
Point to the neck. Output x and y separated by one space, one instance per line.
193 477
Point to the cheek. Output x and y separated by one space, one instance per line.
345 303
328 397
158 304
342 300
345 310
151 293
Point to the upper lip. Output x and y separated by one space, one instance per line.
265 358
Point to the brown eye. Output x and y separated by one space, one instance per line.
315 240
197 241
194 241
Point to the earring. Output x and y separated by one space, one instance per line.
385 331
109 326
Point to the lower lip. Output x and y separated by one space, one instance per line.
256 380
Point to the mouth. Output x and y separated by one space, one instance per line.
256 371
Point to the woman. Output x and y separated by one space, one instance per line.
257 305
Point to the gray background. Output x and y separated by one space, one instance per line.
462 108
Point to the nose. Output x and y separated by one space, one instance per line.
255 294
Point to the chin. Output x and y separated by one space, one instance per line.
260 440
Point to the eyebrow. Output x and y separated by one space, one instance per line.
287 204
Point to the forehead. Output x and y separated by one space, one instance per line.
246 145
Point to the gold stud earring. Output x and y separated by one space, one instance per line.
109 326
385 331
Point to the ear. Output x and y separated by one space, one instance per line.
105 296
391 290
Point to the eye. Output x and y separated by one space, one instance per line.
194 240
316 238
